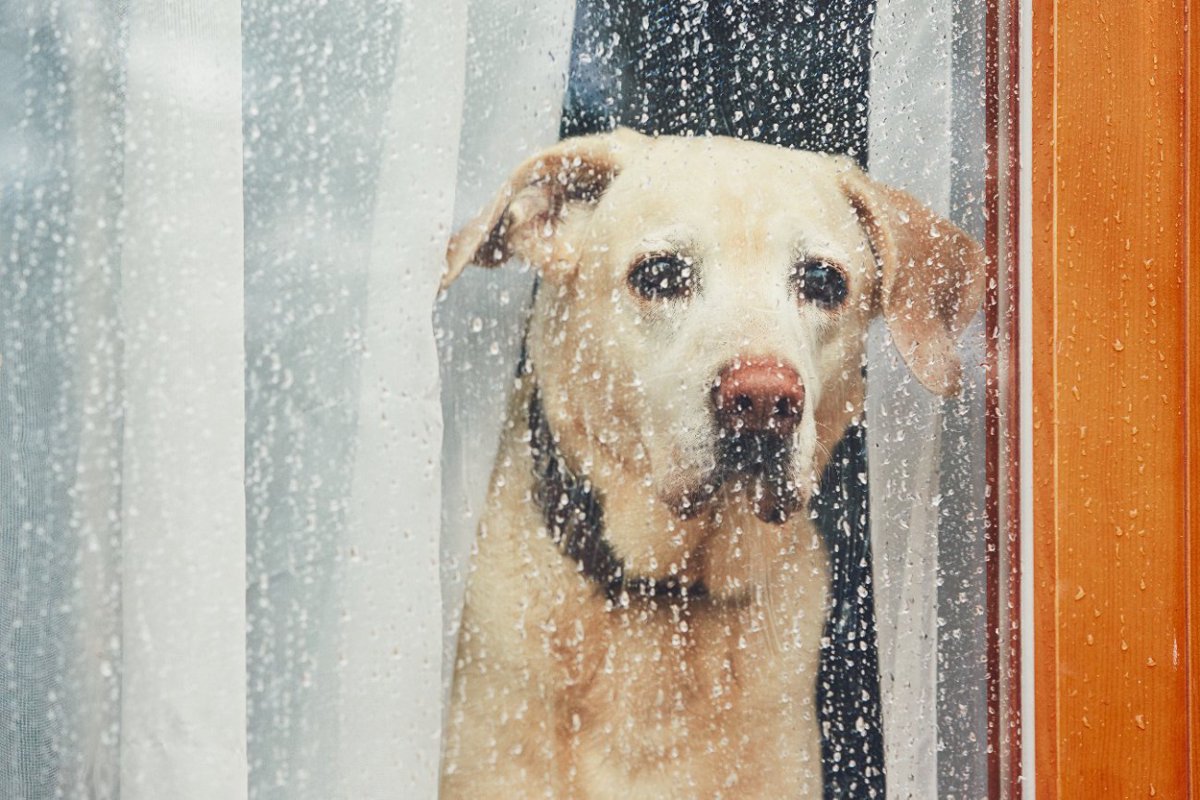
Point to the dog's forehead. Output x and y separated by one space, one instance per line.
677 180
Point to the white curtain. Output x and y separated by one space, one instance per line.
910 102
925 462
227 567
183 514
513 103
388 579
219 569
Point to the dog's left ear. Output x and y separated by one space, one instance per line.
931 279
534 202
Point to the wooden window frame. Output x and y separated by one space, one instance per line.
1116 399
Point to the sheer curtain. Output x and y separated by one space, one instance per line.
517 57
226 565
926 459
179 306
219 419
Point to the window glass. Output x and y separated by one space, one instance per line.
558 398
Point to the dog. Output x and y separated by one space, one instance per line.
648 591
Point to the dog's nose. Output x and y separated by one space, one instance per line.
758 395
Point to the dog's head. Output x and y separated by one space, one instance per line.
702 319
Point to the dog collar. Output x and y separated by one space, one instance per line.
573 512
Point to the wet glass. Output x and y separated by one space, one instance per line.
558 398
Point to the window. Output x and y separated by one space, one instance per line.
750 440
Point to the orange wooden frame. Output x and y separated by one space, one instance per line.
1191 233
1116 406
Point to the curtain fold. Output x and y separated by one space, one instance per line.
517 56
926 458
389 708
183 535
317 82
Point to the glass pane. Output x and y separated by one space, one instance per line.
713 498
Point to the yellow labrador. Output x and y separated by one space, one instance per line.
648 592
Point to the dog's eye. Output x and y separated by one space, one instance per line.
821 283
663 277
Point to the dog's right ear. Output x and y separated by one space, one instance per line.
534 202
931 279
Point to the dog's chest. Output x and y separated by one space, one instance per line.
703 702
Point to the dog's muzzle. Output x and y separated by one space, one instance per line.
758 403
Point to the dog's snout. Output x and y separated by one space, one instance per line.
758 395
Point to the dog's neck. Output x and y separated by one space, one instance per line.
573 512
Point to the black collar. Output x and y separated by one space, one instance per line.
573 511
